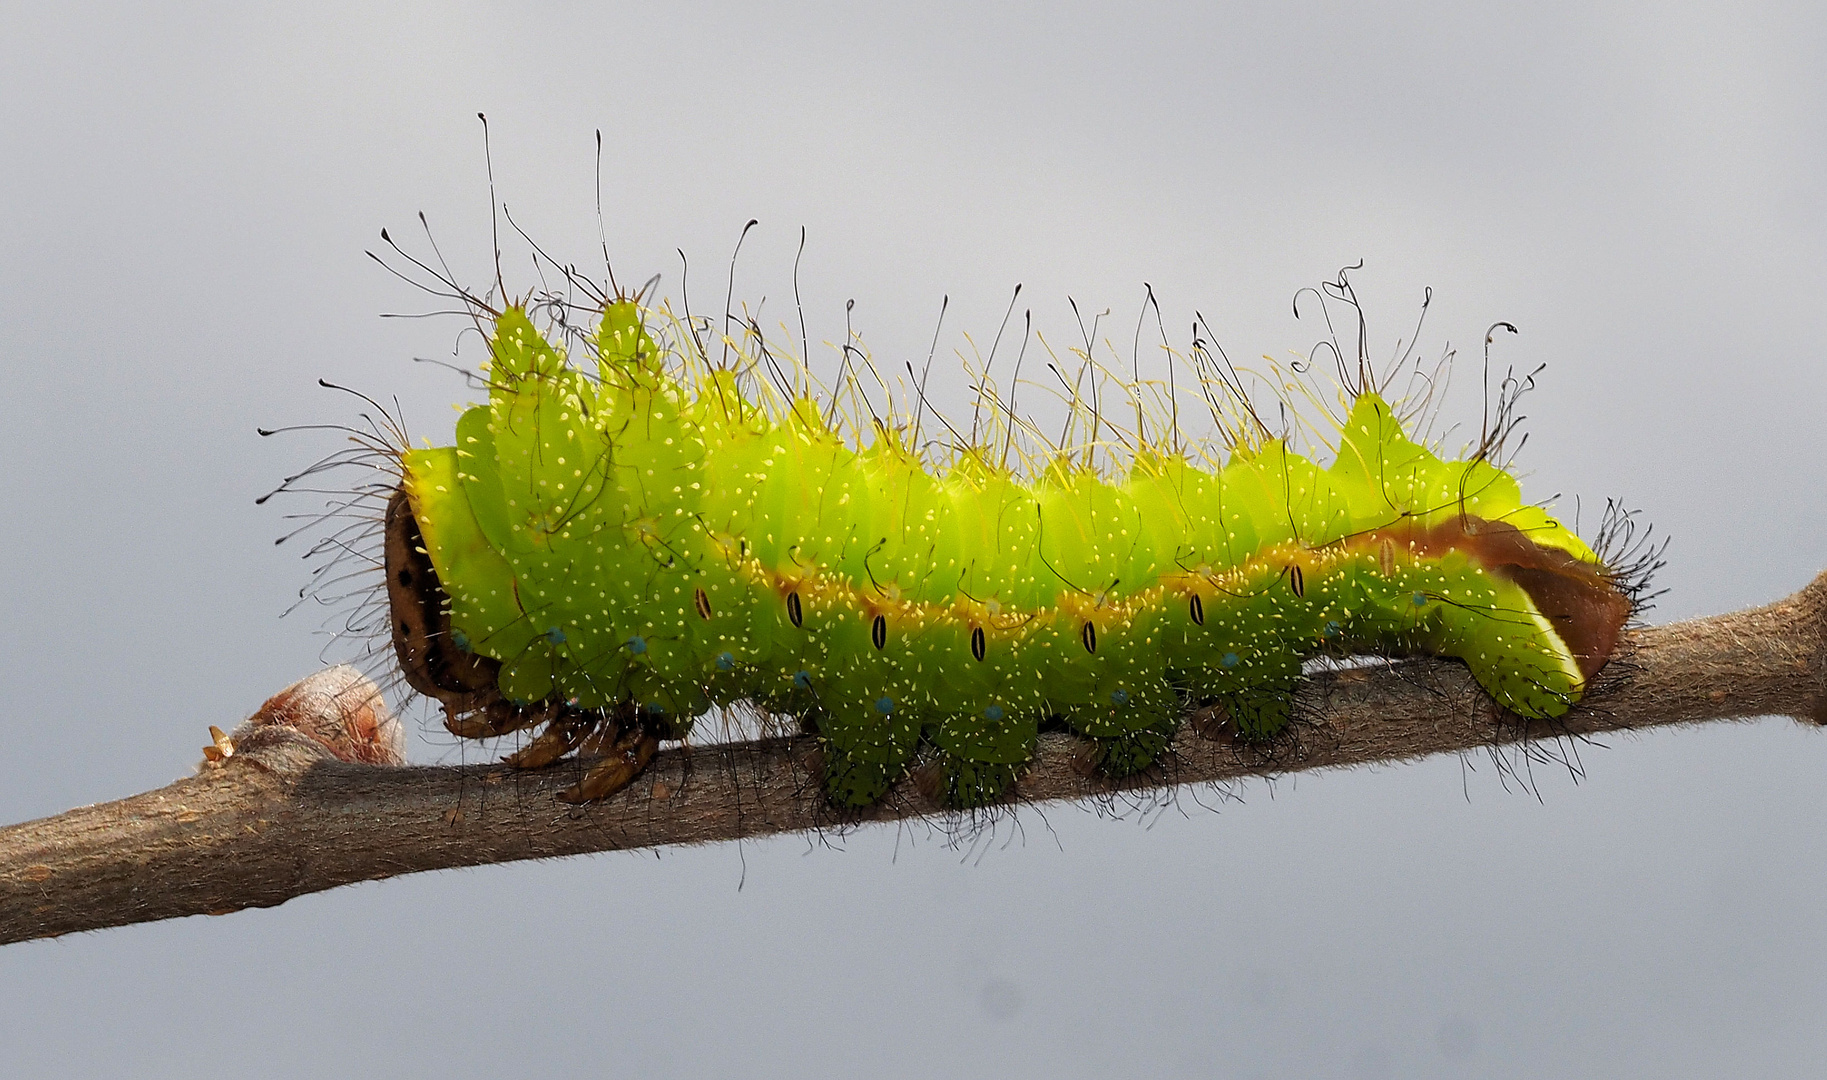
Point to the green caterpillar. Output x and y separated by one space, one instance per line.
614 552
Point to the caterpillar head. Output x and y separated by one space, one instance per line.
432 660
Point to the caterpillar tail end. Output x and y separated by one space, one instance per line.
1566 617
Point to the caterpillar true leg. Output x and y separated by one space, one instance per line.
559 737
620 753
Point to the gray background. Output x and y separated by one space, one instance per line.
185 196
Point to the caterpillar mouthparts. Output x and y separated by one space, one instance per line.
608 555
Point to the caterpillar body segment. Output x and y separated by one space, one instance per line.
615 553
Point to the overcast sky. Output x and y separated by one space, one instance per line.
186 193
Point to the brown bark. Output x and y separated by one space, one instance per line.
293 811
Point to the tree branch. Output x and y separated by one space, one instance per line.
294 809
